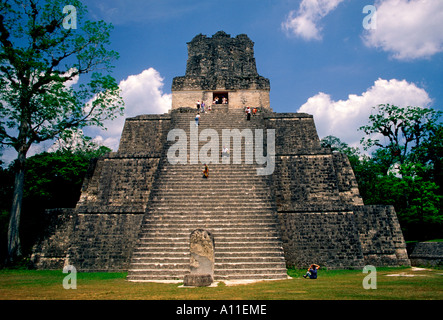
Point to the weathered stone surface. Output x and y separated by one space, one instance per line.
50 252
428 254
197 280
103 242
202 252
329 239
221 62
137 210
221 66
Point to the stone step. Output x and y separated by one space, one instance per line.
211 195
201 206
209 188
219 267
203 212
225 219
193 222
213 227
238 246
246 241
221 262
278 272
199 211
216 229
237 249
197 176
179 278
234 204
176 252
219 236
236 174
147 237
182 250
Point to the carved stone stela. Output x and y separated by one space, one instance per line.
202 257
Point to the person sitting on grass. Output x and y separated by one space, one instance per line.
312 271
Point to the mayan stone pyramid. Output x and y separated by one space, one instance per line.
277 199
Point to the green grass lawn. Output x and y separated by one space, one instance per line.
392 284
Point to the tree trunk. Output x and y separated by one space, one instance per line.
14 248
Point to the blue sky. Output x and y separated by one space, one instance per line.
317 54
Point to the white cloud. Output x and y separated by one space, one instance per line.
304 22
143 94
408 29
343 118
74 80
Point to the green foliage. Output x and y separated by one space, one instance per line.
403 130
50 82
412 187
39 62
53 180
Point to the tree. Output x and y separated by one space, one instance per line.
41 56
430 153
411 187
52 180
404 129
336 145
405 169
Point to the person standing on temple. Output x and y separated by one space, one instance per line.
248 113
206 172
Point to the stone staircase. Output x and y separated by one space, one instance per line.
234 204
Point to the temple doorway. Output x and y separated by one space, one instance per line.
220 97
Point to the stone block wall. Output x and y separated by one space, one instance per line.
427 254
346 181
329 239
215 56
50 252
119 185
221 63
381 236
89 242
249 98
322 216
295 133
100 233
103 242
121 182
115 196
305 181
144 135
237 99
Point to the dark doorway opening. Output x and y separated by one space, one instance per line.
221 97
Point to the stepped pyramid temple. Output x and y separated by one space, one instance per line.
277 199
